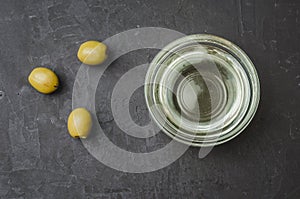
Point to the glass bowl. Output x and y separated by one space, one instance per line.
202 90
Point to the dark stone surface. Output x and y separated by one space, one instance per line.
38 159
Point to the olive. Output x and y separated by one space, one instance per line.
92 52
79 123
43 80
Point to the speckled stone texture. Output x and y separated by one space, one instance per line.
38 159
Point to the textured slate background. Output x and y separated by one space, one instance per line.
38 159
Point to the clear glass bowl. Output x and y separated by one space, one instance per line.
202 90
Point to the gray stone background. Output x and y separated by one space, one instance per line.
38 159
